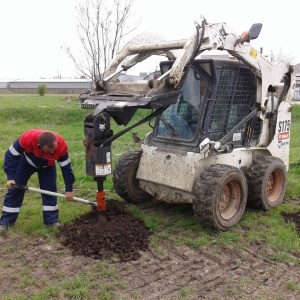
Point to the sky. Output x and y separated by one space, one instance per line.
34 32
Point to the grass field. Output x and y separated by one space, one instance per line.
258 256
20 112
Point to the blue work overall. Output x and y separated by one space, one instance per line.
14 198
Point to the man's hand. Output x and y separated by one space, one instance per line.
9 183
69 196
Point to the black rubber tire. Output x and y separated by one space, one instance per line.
267 182
124 178
220 196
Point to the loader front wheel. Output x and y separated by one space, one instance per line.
267 181
220 196
125 182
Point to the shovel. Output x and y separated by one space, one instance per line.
100 205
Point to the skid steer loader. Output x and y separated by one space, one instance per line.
221 132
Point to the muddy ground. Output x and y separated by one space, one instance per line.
141 272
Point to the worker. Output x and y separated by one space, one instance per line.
35 150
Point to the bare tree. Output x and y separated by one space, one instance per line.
280 56
102 26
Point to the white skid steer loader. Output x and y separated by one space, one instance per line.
221 132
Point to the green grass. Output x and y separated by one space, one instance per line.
22 112
173 223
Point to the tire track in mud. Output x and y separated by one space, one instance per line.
207 274
180 273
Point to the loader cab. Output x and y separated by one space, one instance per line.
180 121
215 96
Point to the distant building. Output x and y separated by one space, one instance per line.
130 78
297 87
297 69
3 85
54 86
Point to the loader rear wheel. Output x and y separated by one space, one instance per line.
221 196
124 178
267 181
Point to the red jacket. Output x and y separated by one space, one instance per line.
27 146
29 142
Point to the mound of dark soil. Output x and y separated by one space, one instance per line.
292 217
122 235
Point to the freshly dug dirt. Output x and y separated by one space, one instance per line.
122 235
292 217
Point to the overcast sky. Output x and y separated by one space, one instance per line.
33 31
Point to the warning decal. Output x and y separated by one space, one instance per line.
104 169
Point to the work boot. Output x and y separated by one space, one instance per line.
3 229
56 224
